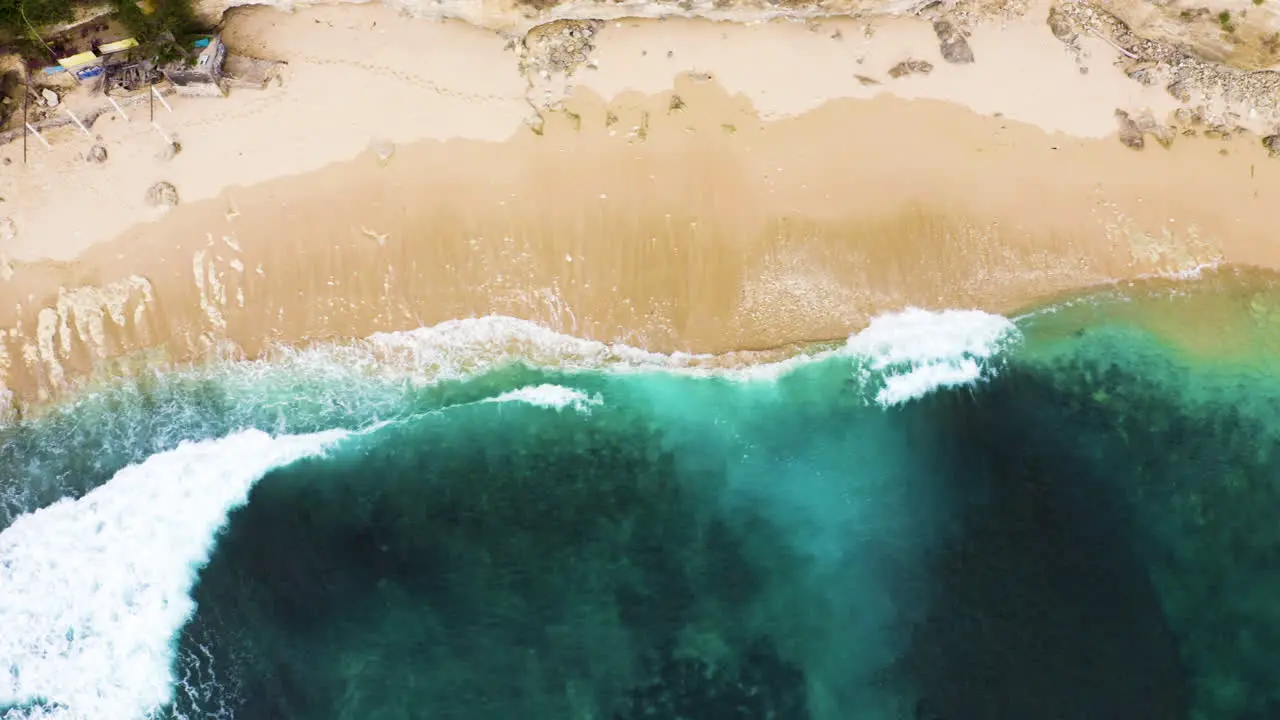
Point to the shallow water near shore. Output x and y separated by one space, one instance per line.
950 516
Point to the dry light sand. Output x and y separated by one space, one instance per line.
702 186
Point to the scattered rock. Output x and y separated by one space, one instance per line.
1147 125
162 194
1178 90
50 97
8 231
866 80
97 154
1272 144
1187 116
170 150
955 49
1060 26
1130 135
910 67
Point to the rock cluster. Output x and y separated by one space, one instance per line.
560 47
1135 128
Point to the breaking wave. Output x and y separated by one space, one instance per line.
486 519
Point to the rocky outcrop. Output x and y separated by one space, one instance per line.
1240 33
1217 92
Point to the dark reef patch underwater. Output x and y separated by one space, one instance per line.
950 519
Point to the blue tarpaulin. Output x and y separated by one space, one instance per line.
89 72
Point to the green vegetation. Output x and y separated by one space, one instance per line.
17 17
1224 19
20 20
1259 3
165 34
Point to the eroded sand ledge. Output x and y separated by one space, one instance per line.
691 186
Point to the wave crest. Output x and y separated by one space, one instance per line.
914 352
93 592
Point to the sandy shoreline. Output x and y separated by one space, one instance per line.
693 186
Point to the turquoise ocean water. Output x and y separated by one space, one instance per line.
952 516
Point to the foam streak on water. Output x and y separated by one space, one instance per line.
554 397
93 592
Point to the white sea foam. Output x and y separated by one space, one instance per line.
93 592
462 348
466 348
909 353
917 351
555 397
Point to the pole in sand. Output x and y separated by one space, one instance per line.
25 99
167 139
160 97
116 105
39 137
76 120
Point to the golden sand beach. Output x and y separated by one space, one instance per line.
673 184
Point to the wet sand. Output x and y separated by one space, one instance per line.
726 210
